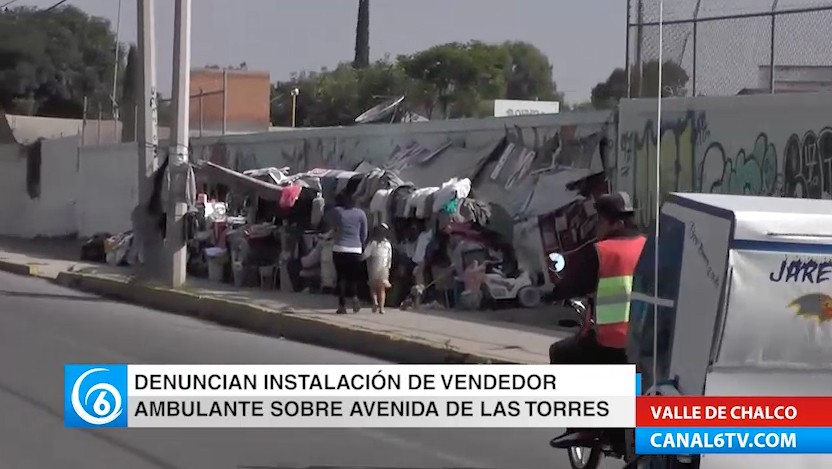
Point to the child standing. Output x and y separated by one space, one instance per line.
379 257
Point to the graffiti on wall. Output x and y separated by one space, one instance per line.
693 161
807 165
637 159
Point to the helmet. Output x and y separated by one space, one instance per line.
617 204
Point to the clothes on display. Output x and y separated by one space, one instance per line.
453 189
289 195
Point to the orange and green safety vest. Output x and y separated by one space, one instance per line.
617 259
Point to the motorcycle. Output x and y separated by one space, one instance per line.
613 443
609 443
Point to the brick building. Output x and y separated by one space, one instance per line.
247 100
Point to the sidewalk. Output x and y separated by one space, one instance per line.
400 336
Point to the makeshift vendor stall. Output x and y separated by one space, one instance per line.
744 304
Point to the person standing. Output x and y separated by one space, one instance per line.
379 257
350 237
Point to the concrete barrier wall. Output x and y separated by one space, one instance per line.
94 189
777 145
80 192
109 188
12 190
53 212
346 147
772 145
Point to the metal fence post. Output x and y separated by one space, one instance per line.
771 63
627 51
693 73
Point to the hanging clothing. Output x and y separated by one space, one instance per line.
452 189
378 208
289 195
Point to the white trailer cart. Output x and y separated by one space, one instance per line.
744 305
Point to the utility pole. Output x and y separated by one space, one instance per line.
147 139
178 156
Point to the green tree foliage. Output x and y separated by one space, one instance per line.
362 35
50 61
448 80
336 97
606 95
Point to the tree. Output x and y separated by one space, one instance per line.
457 76
530 74
362 35
336 97
457 79
606 95
51 60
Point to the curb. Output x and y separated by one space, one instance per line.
265 321
19 269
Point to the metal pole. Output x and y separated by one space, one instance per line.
693 73
627 51
771 63
200 113
100 112
84 123
178 155
639 44
658 202
116 64
294 109
147 137
695 36
224 100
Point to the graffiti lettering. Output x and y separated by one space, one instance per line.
691 161
753 173
679 138
802 271
807 166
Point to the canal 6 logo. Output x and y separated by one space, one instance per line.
95 395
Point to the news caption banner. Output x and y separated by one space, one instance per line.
733 425
350 396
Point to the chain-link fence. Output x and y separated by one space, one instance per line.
728 47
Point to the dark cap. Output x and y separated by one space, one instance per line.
617 203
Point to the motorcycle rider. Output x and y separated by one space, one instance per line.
602 271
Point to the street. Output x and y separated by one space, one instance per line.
43 326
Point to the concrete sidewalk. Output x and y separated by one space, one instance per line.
400 336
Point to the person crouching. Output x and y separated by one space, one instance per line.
379 257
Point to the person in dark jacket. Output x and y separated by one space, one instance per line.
603 272
580 278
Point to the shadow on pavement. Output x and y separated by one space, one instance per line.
50 296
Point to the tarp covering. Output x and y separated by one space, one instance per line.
238 181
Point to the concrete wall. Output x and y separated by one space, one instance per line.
53 212
109 188
81 192
773 145
94 189
12 188
346 147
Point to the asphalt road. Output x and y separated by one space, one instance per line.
43 326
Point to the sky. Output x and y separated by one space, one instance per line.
584 39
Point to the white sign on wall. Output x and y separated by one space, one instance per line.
513 107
